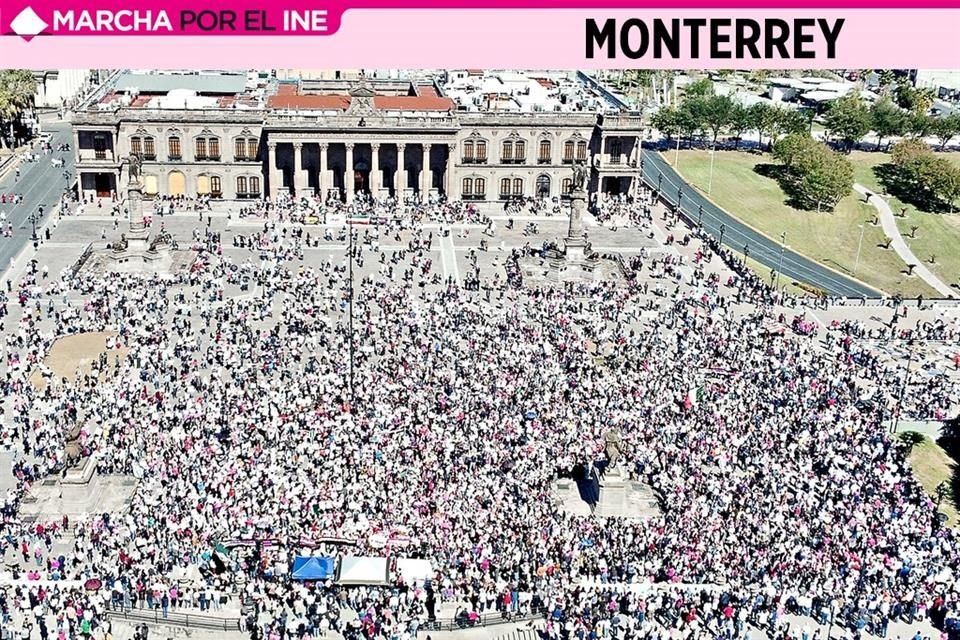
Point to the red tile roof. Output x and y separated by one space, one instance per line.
287 89
308 102
427 90
413 103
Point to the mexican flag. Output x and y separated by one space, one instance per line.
359 218
694 397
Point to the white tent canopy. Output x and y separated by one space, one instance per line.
413 570
363 570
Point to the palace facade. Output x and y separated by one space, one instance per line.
214 138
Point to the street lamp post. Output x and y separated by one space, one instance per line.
903 387
700 216
856 265
783 248
350 294
34 218
713 154
723 229
939 518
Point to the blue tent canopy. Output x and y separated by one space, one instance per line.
313 568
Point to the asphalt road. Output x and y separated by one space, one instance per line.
41 184
737 235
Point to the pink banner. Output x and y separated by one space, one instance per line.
397 38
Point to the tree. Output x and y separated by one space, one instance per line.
848 119
717 112
827 179
667 121
945 129
741 121
888 80
791 149
17 88
819 176
765 118
913 99
702 88
933 176
887 119
793 121
920 124
911 439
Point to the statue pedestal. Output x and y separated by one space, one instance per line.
574 262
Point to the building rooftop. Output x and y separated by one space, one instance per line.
222 83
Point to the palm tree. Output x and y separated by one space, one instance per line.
17 89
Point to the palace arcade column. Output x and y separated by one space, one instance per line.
275 175
427 176
400 178
448 170
375 178
299 173
348 176
322 177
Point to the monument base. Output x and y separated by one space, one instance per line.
137 257
570 265
620 497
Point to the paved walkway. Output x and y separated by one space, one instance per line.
889 224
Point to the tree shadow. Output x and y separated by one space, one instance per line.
897 183
784 178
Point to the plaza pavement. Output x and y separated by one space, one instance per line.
71 234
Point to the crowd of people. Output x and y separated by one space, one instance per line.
248 411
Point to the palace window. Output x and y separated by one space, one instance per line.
581 151
568 148
245 149
173 148
242 191
616 148
468 152
520 151
518 186
215 188
544 155
566 187
254 186
481 152
144 147
207 148
468 187
505 187
481 187
507 155
149 149
99 148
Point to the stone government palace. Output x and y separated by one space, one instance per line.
469 135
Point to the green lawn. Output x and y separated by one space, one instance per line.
933 465
937 233
829 238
